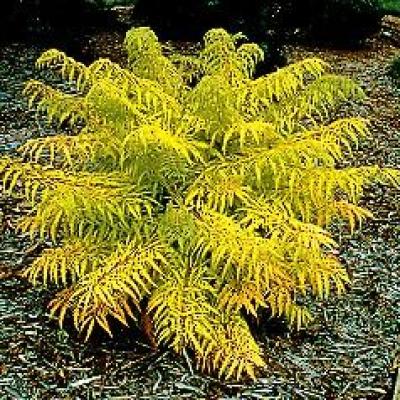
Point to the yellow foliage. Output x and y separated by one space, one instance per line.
191 184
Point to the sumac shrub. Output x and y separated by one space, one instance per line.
192 189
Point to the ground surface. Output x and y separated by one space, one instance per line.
348 353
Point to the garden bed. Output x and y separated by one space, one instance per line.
349 352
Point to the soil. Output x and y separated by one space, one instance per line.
351 351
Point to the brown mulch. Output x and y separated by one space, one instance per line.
391 28
348 353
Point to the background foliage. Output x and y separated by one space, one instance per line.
337 21
19 18
272 22
394 69
390 6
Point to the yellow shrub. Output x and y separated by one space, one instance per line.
195 186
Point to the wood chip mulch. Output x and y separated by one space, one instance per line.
351 351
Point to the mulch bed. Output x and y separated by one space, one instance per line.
350 350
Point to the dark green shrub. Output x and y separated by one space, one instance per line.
336 21
394 70
390 7
343 21
178 19
112 3
32 16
